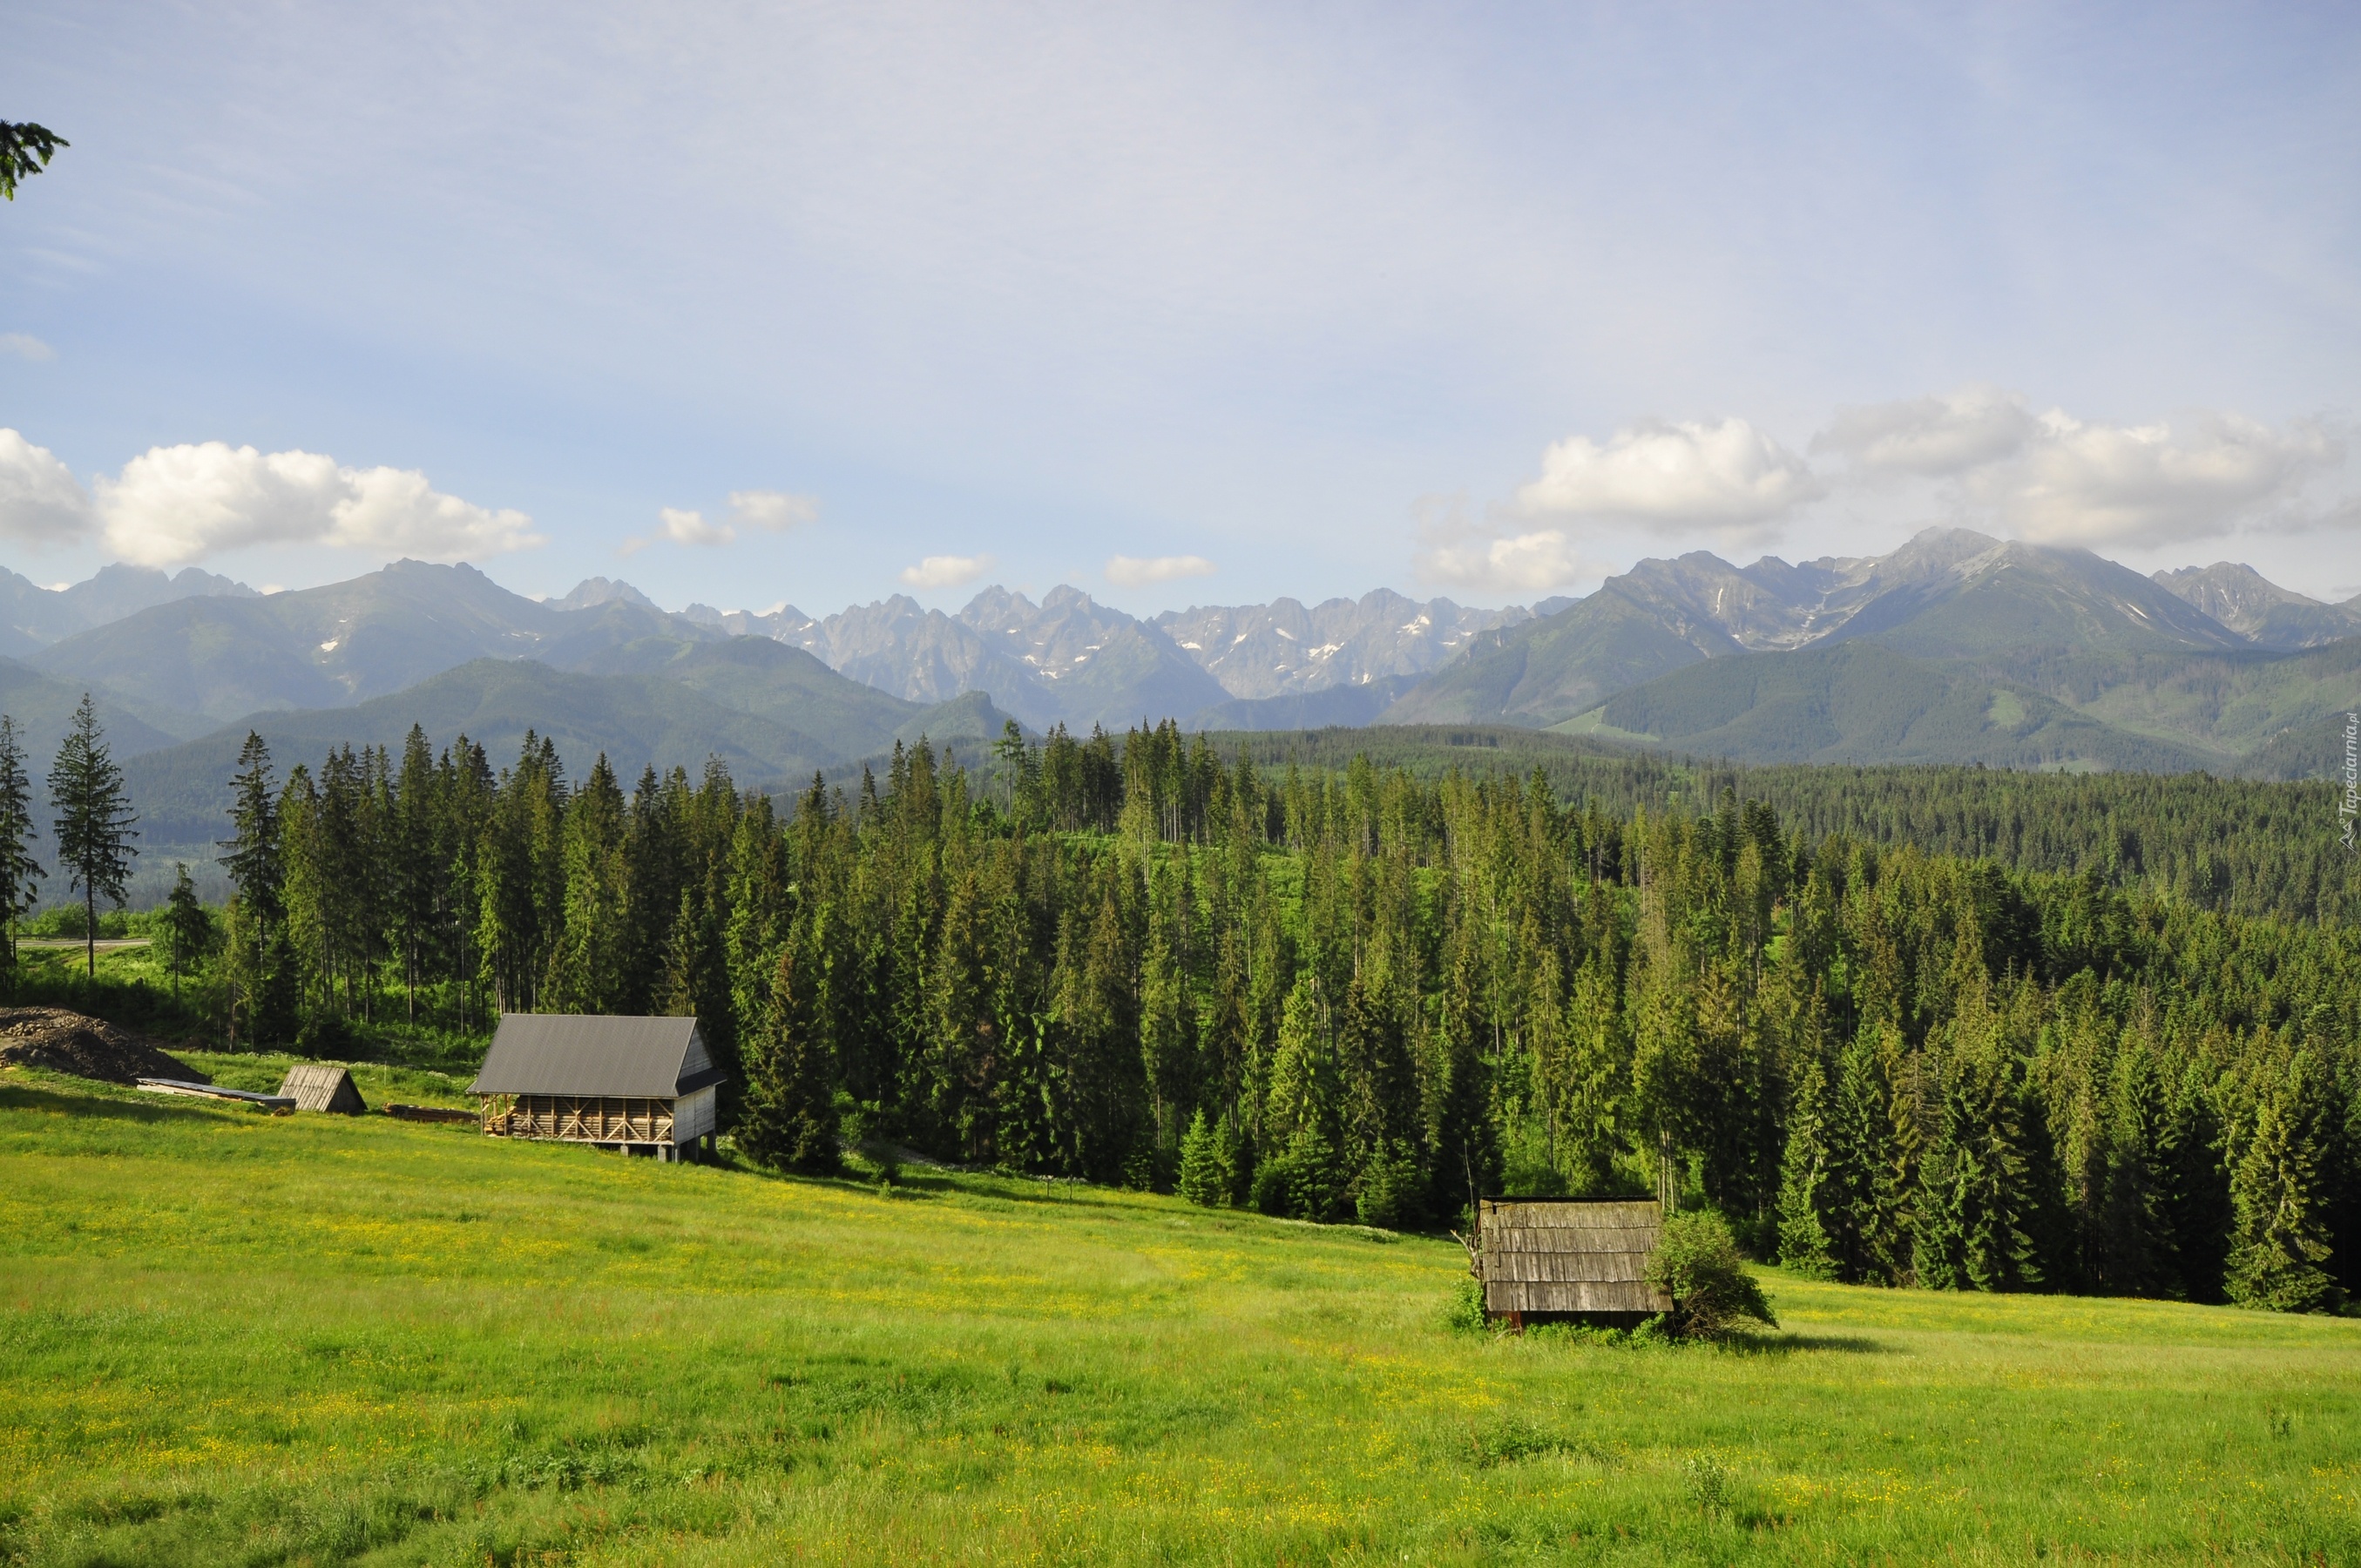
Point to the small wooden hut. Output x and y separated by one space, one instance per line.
317 1086
642 1086
1547 1259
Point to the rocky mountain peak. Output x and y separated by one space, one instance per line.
591 592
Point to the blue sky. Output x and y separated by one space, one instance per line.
1261 300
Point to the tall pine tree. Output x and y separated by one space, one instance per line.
20 874
788 1121
94 820
2280 1249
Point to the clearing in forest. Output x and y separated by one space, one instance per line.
231 1336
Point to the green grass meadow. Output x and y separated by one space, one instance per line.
232 1337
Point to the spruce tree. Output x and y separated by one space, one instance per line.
1460 1130
789 1121
1993 1186
1937 1253
758 893
1230 1158
1167 1043
20 874
696 978
1909 1083
1804 1185
187 930
1205 1177
2140 1256
2199 1211
2279 1247
260 961
1304 1177
94 820
414 871
1594 1102
587 959
1856 1213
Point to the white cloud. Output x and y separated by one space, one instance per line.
2100 484
690 528
1524 562
1672 477
25 345
946 571
1137 572
40 500
772 511
1932 438
2060 480
176 504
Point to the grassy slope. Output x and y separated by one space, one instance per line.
134 990
235 1337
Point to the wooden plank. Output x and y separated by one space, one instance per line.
1565 1266
1548 1211
1512 1297
214 1092
1507 1239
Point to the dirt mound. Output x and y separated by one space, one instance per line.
61 1041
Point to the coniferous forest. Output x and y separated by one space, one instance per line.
1365 992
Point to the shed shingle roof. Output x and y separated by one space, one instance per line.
557 1053
1555 1256
320 1086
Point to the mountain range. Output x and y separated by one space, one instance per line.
2071 659
1954 648
1072 661
32 617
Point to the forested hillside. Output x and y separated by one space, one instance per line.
2232 846
1366 993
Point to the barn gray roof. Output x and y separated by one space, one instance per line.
560 1053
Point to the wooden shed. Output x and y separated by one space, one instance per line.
643 1086
317 1086
1548 1258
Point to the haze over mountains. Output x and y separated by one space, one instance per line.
1954 648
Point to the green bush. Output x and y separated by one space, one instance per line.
1697 1264
1465 1313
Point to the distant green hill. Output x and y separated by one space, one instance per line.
2233 703
215 659
2313 751
726 700
220 657
1547 670
41 707
1341 705
1862 703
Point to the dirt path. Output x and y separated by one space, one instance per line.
105 944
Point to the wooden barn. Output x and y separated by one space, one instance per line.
642 1086
317 1086
1549 1259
